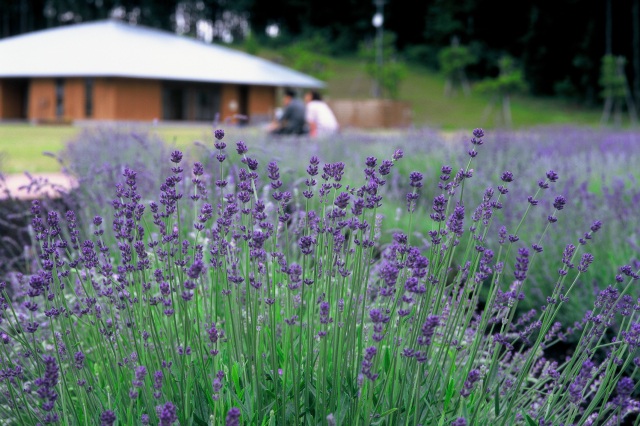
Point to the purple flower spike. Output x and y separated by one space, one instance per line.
218 134
140 373
273 170
233 417
552 176
107 418
371 162
198 168
176 156
460 421
578 385
241 147
48 383
167 414
79 360
559 202
585 261
522 264
398 154
428 329
625 389
415 179
367 363
507 176
596 226
342 200
385 167
472 378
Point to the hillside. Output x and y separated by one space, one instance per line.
424 89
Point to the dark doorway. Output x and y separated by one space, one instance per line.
15 98
88 97
243 105
173 102
190 101
207 98
59 98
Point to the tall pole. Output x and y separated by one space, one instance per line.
635 15
378 22
608 29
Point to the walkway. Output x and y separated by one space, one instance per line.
33 186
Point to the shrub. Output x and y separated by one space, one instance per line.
228 304
97 156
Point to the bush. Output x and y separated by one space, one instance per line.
97 156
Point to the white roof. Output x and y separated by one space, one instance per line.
113 48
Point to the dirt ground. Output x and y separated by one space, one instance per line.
37 185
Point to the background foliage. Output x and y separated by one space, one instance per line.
560 44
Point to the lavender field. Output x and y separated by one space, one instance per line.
410 278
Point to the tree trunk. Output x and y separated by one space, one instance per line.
506 110
617 113
448 88
606 111
487 111
466 87
631 106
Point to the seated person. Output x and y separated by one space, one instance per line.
321 120
292 121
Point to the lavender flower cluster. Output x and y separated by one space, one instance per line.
215 304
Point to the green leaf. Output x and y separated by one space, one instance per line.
451 388
198 421
202 404
235 378
380 418
387 359
530 421
386 413
497 402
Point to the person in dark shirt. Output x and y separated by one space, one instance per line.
293 121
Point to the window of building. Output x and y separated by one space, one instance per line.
88 97
59 97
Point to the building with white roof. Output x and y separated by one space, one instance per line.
110 70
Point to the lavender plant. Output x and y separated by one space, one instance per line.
229 304
97 156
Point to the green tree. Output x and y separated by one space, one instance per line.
453 60
615 91
508 82
390 73
309 56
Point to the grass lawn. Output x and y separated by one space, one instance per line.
22 145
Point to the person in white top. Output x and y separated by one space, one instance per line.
321 120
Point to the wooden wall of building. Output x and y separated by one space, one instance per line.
42 99
230 102
262 102
74 98
137 99
126 99
256 102
104 99
371 113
